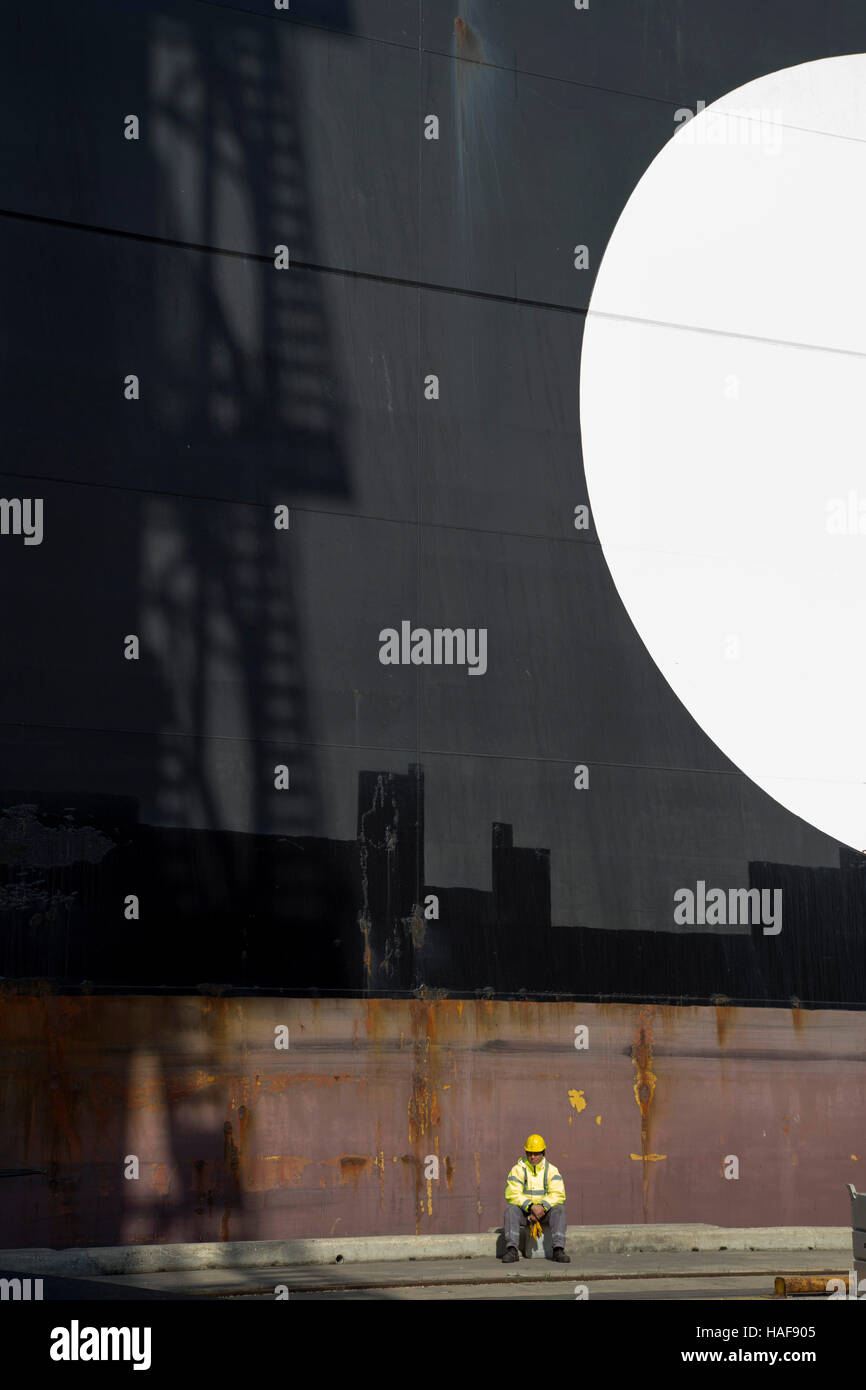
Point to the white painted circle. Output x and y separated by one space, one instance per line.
723 415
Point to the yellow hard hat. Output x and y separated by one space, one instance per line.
534 1144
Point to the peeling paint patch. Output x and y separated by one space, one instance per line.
354 1161
350 1167
416 926
161 1179
282 1083
25 840
364 926
283 1170
379 1162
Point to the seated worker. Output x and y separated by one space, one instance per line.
534 1191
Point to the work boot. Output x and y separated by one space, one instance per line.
511 1254
560 1256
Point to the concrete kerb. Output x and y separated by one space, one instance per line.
250 1254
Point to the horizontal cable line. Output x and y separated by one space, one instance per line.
421 49
304 510
178 496
413 751
287 742
760 119
563 761
265 259
516 71
429 286
722 333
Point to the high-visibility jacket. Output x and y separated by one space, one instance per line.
538 1184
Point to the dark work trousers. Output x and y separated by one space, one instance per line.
555 1218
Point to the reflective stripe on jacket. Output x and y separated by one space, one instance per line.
535 1184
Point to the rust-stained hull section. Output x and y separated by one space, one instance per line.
236 1139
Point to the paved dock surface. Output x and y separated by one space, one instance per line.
697 1275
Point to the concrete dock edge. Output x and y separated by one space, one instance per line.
685 1237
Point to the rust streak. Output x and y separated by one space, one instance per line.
467 42
726 1016
644 1091
231 1161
